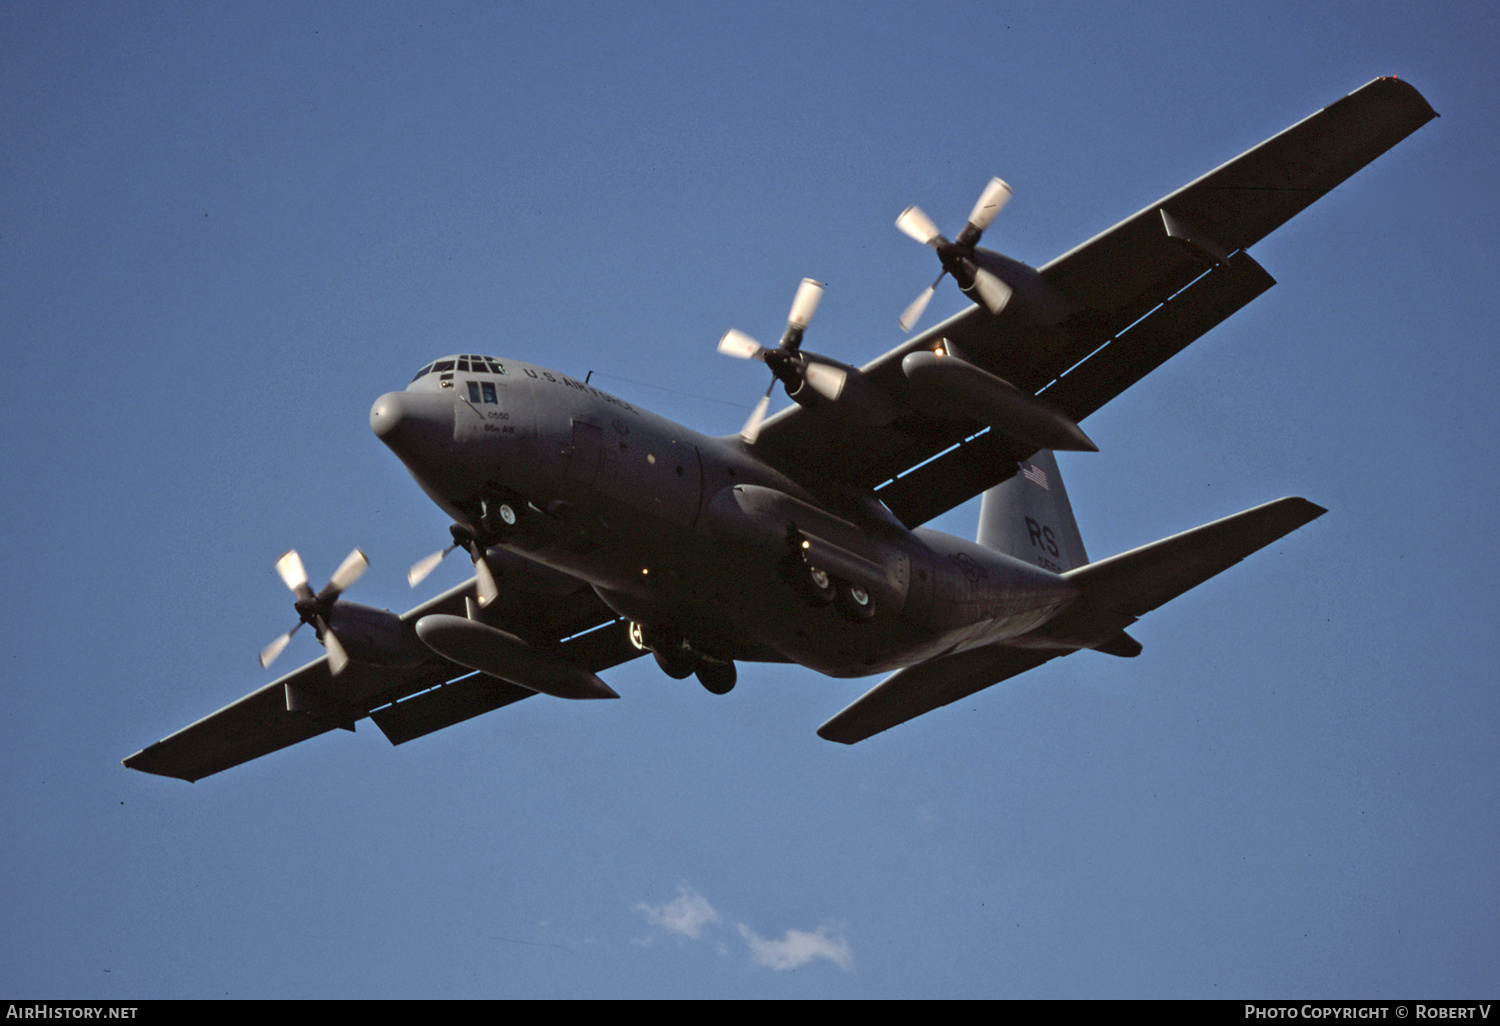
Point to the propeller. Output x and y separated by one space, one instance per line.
463 538
788 363
958 256
316 609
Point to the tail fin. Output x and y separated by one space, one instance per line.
1028 516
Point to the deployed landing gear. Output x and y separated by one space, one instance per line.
817 587
673 655
857 604
679 661
718 678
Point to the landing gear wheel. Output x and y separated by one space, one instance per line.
816 587
677 663
673 655
718 678
855 603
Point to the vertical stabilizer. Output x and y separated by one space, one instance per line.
1028 516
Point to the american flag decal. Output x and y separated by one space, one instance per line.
1035 475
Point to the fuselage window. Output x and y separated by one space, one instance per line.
489 392
419 373
473 391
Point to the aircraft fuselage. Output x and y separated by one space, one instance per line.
694 537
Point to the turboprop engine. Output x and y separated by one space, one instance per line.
347 629
995 282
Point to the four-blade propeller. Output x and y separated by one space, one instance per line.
462 539
316 609
958 256
788 363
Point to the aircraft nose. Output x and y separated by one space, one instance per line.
418 428
403 420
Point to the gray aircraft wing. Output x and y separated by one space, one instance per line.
405 702
1139 293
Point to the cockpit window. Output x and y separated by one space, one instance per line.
469 363
486 389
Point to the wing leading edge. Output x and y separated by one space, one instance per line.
1141 292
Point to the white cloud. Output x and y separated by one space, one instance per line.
688 914
797 948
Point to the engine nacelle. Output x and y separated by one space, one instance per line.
1034 300
376 636
858 401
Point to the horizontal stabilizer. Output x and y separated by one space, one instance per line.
910 692
1136 582
1113 593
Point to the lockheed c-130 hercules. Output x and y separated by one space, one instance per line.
600 532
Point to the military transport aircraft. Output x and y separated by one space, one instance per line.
599 532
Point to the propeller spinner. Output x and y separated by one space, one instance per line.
788 363
958 256
316 608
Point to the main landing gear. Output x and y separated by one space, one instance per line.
679 661
820 588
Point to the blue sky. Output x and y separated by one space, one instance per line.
225 229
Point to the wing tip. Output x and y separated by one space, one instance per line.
831 731
1303 511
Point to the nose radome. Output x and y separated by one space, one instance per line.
418 428
386 415
413 423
